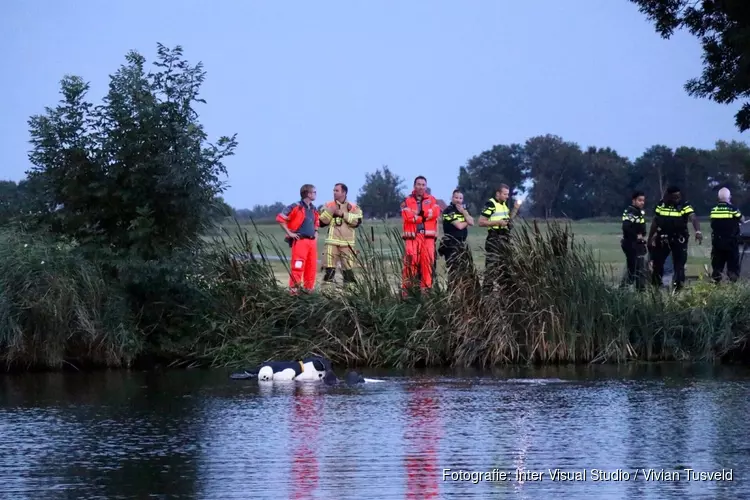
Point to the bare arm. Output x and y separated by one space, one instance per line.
696 224
652 229
484 217
469 220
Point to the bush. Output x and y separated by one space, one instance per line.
57 308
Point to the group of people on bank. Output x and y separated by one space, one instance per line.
420 217
669 235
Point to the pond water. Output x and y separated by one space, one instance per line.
197 434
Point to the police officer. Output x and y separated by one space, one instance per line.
669 234
725 232
633 241
497 219
453 246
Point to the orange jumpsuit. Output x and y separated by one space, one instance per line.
303 220
419 218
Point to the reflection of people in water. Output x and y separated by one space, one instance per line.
422 438
307 414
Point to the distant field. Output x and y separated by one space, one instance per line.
602 237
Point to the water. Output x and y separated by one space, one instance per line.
196 434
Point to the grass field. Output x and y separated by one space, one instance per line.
602 237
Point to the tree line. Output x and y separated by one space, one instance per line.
561 179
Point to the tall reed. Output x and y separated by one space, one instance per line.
558 308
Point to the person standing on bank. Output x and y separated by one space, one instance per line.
633 241
669 234
419 214
453 247
725 238
498 220
300 222
342 218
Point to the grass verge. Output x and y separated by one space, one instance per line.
219 305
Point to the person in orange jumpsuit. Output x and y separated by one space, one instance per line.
419 213
300 221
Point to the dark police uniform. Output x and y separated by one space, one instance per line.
725 233
633 225
672 237
497 244
453 245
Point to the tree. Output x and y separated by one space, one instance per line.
134 174
261 212
10 203
723 27
221 208
381 194
483 173
602 191
556 167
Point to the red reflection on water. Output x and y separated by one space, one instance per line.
306 416
422 443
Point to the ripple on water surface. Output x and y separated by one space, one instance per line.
199 435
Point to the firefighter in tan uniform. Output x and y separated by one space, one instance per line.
341 217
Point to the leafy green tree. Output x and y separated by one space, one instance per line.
261 212
556 168
603 185
136 173
221 208
10 203
381 194
483 173
723 27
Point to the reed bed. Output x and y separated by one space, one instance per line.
219 303
558 308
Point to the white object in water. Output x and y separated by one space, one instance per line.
310 373
286 374
265 374
372 380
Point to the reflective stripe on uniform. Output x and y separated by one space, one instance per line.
453 217
725 212
499 211
627 215
668 211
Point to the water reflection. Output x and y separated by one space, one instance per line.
422 439
303 432
198 435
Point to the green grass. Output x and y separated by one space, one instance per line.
602 238
559 309
60 306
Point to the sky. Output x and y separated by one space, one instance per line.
326 91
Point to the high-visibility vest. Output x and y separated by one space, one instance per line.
498 211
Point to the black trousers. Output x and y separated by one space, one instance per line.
725 253
635 253
497 248
458 262
678 247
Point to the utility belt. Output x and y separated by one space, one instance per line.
632 241
680 238
500 232
290 241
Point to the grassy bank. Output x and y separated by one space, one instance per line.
602 237
206 307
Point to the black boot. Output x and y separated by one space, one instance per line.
330 273
348 276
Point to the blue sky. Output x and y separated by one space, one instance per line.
325 91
